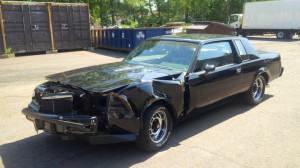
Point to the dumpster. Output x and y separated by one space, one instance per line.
24 27
71 27
125 39
41 26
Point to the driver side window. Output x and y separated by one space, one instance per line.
217 54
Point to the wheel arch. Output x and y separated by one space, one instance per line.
263 72
266 76
165 103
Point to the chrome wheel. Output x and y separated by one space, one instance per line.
158 126
258 89
255 94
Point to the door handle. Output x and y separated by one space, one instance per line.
239 70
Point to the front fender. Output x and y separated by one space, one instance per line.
142 96
120 113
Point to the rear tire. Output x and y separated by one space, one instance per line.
157 128
289 35
256 92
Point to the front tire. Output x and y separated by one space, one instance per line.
256 92
281 35
235 33
157 128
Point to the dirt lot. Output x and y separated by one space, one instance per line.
233 135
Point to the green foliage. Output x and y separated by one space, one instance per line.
128 23
8 52
145 13
124 26
188 24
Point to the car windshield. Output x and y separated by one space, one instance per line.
172 55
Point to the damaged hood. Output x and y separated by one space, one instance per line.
104 78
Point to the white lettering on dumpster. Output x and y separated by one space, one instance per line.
140 35
168 32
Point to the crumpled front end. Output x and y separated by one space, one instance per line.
72 112
62 124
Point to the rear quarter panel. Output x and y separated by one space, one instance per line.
259 62
266 62
250 70
272 63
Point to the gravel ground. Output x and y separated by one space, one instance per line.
233 135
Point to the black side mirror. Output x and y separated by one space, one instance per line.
209 68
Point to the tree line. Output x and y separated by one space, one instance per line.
153 13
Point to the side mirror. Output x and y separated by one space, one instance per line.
209 68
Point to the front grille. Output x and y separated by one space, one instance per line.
56 106
49 102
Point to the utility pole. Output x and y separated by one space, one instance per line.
228 7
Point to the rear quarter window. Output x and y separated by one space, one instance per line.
248 47
241 50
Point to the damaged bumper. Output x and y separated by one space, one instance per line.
62 124
81 127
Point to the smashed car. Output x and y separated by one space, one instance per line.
161 81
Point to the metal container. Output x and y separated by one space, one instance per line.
125 39
1 41
138 36
33 26
25 27
70 26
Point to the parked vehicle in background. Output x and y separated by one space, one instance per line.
278 17
139 99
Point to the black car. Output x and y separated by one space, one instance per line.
162 80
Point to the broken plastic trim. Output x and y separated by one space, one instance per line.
77 124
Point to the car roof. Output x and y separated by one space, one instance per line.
198 38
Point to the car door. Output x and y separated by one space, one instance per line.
226 80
